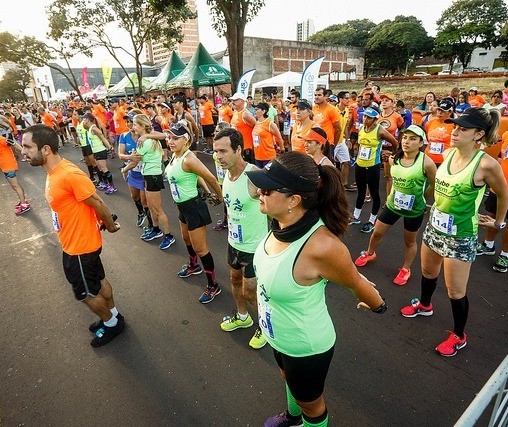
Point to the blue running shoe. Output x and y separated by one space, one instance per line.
153 235
167 242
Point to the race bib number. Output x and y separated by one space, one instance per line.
265 319
443 222
365 153
174 192
139 167
358 125
220 172
235 232
202 114
292 122
403 201
55 221
256 140
18 127
436 148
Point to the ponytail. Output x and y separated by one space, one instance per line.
332 202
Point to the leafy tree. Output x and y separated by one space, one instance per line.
85 23
467 25
14 83
28 51
394 43
229 18
353 33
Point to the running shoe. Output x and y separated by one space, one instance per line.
221 225
22 208
501 264
364 258
167 242
141 219
209 294
284 420
402 277
354 221
350 187
146 231
189 270
367 228
451 345
102 186
111 189
416 309
483 249
258 340
104 334
153 235
231 323
94 327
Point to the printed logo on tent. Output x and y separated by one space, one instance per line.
212 71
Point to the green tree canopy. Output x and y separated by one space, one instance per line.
14 83
85 25
353 33
229 18
467 25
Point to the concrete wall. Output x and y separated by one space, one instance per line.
272 57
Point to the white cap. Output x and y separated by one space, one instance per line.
474 88
238 95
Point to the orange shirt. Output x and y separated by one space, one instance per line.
439 135
263 141
244 128
325 117
100 113
119 121
48 120
77 226
8 162
504 155
298 130
391 123
225 113
205 113
476 101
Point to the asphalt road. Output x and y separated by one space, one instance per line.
174 366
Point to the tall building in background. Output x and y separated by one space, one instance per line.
304 30
156 52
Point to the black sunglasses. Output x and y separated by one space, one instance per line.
266 192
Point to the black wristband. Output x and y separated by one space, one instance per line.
381 309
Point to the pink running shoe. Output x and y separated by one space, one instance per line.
364 258
451 345
402 277
417 309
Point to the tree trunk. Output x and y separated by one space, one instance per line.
233 48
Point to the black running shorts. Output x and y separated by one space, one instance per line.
84 273
194 213
238 260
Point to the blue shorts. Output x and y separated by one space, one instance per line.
135 180
10 174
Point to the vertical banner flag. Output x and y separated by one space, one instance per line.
84 76
244 82
309 80
107 69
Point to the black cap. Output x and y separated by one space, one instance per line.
262 106
275 176
179 128
178 99
470 119
446 105
303 105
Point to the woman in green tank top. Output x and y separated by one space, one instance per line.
293 264
410 169
451 236
184 171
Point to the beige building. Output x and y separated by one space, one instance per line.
156 52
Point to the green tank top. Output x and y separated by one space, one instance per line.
95 141
294 319
82 135
408 185
246 224
183 184
369 150
457 199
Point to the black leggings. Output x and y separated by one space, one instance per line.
368 176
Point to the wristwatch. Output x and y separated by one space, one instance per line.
500 226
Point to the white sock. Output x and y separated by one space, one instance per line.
243 316
372 218
114 311
111 323
357 213
503 253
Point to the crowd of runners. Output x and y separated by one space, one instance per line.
282 170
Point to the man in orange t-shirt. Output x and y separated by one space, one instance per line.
118 117
439 133
47 118
225 111
77 214
328 118
243 121
206 111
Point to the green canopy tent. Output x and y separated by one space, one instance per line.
202 70
124 87
172 68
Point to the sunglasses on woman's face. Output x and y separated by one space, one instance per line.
266 192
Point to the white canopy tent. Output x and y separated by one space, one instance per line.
60 95
286 80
